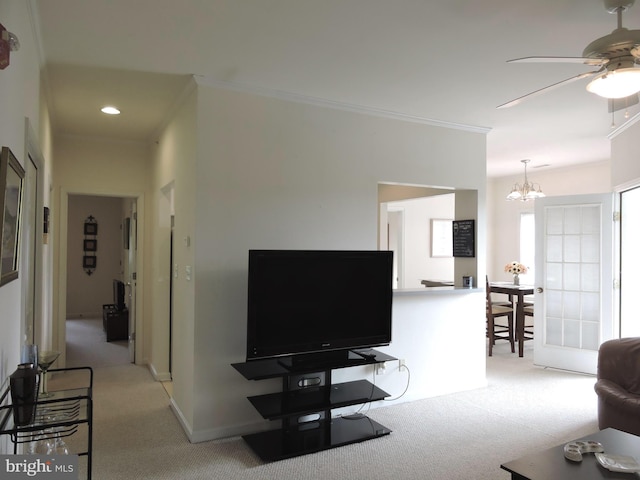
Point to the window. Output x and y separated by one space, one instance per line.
528 245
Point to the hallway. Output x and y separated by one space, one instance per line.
87 347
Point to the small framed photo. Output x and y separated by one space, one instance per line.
441 237
90 228
90 245
89 261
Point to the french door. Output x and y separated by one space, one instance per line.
574 280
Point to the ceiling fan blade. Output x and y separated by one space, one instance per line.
546 89
584 60
616 104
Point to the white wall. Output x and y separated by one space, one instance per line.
625 159
20 98
271 173
174 160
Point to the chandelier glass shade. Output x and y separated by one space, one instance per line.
618 83
527 190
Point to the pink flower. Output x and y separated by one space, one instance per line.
515 268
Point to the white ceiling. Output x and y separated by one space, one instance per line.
444 61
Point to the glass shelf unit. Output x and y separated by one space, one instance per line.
56 416
305 413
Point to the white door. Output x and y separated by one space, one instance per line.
131 280
574 294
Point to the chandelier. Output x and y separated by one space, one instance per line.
527 191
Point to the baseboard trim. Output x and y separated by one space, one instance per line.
181 419
214 433
159 376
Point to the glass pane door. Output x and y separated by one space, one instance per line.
573 309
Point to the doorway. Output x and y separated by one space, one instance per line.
110 259
629 262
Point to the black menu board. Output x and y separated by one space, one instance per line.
464 238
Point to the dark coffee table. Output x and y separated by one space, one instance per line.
550 464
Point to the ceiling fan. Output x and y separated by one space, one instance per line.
616 54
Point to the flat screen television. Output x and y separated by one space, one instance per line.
310 301
118 295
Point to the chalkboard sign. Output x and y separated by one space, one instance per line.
464 238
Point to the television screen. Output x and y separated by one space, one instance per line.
303 301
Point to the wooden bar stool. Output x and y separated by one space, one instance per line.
499 322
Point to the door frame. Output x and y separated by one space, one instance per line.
58 328
619 191
130 263
32 281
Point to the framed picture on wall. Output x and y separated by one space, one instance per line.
89 261
90 245
441 237
90 228
11 187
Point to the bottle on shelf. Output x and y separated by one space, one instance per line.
24 391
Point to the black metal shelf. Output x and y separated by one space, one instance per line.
56 416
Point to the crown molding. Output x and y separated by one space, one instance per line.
632 121
34 18
322 102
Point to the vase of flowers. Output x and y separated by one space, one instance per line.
515 268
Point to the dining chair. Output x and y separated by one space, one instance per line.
528 322
499 321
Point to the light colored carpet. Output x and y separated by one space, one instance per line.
87 345
461 436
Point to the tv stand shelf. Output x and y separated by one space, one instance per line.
305 412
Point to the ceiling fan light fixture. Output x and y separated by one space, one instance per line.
618 83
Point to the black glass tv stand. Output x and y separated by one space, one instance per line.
305 403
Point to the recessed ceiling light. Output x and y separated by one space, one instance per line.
110 110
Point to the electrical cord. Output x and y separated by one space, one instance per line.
405 388
359 413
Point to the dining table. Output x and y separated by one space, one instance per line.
518 292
